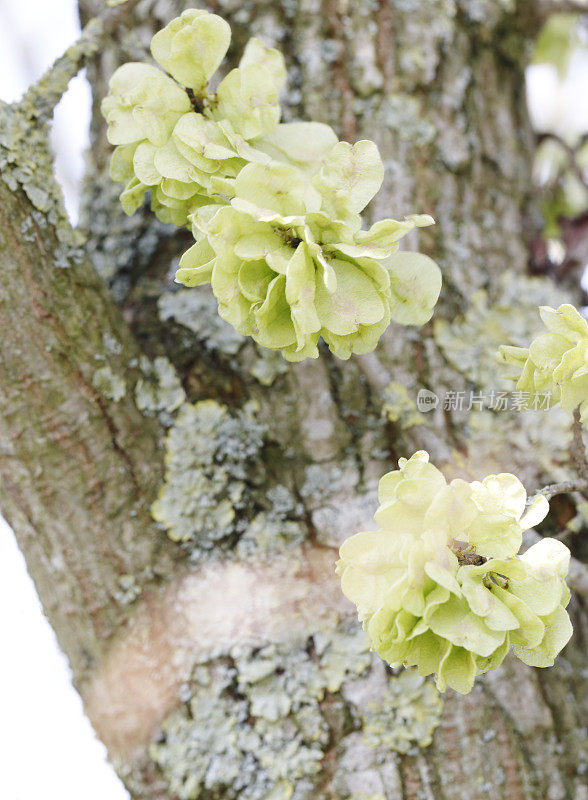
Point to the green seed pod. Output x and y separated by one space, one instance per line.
191 47
248 97
166 147
440 585
143 103
556 363
286 274
274 208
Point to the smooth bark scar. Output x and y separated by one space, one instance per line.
201 615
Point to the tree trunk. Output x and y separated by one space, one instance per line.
227 663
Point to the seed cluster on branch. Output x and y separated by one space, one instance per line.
274 207
440 586
556 363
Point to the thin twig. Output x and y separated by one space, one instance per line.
580 461
564 487
578 574
41 98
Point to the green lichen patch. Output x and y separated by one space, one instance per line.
343 653
405 716
276 528
337 502
267 365
215 747
273 691
197 311
110 385
280 679
399 407
210 456
26 162
159 391
393 714
216 750
320 481
260 725
119 247
215 495
269 533
253 727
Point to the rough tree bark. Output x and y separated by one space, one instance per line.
229 665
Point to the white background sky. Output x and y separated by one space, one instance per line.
48 747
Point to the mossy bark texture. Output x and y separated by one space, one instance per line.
221 661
